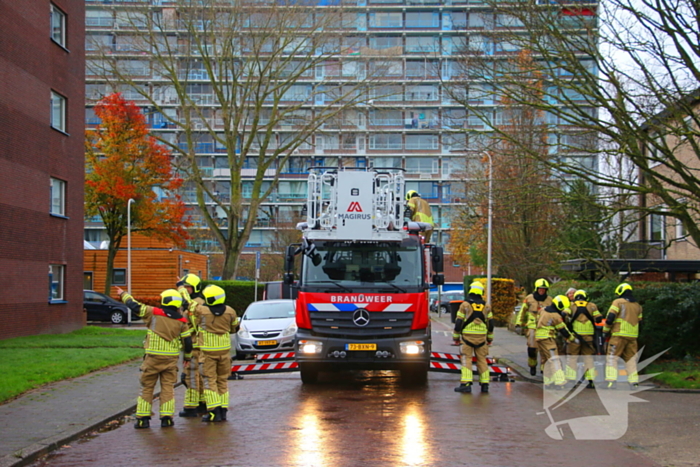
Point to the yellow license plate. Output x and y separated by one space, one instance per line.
267 342
360 346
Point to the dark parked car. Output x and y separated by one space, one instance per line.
445 299
100 307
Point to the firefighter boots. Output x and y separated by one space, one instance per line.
464 388
189 412
213 416
610 385
223 414
166 422
202 408
143 422
590 385
485 387
533 370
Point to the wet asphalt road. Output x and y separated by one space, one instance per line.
369 419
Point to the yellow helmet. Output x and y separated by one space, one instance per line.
214 295
476 287
410 194
541 284
193 281
561 302
580 295
171 297
622 288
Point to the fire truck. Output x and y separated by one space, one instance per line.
362 285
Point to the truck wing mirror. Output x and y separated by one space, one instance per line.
436 258
438 279
289 259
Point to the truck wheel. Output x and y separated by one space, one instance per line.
414 376
309 375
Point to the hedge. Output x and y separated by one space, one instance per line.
671 313
503 298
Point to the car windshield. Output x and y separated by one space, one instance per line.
262 310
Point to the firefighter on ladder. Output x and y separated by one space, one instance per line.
527 317
584 316
418 209
474 325
622 324
215 322
190 287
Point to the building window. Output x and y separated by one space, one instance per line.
118 276
58 197
656 228
56 275
58 26
58 111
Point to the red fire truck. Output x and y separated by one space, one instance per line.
363 281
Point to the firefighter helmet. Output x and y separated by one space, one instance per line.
476 287
410 194
214 295
193 281
541 284
580 295
622 288
171 297
561 302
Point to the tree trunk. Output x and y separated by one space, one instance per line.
111 254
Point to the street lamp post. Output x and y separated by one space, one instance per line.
490 229
128 254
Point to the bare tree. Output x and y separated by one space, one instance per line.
245 82
621 84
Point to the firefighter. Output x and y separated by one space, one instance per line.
190 287
419 211
215 321
583 318
474 324
622 326
529 310
550 321
168 334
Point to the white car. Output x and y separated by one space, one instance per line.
267 326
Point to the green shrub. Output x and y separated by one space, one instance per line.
503 299
239 294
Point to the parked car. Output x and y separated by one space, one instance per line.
100 307
445 299
267 326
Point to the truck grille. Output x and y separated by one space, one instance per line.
381 324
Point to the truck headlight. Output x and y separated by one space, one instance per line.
290 331
243 333
412 347
310 347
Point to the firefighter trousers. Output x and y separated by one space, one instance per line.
531 348
193 394
480 351
584 349
153 369
552 368
626 348
215 368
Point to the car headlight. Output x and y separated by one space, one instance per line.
310 347
412 347
243 333
290 331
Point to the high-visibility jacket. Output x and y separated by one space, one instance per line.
214 327
480 327
193 303
625 317
530 309
580 323
165 335
548 324
420 210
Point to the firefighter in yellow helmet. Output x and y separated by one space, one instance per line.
190 287
550 321
168 334
474 325
215 322
527 318
622 324
584 316
418 210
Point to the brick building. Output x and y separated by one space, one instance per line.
42 127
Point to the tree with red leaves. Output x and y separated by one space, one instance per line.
124 162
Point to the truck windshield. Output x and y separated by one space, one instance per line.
349 264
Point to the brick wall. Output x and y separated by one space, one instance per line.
31 153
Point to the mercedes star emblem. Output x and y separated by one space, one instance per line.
360 317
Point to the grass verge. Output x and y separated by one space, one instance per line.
32 361
680 374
